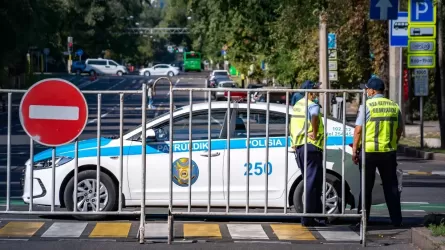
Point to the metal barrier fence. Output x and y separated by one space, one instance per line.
229 126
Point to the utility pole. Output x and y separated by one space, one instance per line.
323 51
441 81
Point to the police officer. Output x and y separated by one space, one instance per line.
383 130
314 175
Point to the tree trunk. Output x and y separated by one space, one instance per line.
440 85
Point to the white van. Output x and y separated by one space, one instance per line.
104 67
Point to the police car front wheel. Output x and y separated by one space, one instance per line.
333 196
87 194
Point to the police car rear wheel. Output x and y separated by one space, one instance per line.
333 196
87 194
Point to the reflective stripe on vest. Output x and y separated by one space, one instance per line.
297 126
382 126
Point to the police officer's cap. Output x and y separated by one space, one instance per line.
374 83
310 85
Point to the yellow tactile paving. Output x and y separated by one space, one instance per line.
419 173
292 232
111 230
202 230
21 229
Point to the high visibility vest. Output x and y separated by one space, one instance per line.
297 126
381 128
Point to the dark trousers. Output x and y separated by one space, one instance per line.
386 163
314 179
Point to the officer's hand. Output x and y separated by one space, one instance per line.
312 136
355 158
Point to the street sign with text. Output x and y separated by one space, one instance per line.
421 47
383 9
421 82
333 65
332 54
421 61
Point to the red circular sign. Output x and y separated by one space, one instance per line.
53 112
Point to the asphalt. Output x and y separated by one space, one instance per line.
423 180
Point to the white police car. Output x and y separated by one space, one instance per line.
157 186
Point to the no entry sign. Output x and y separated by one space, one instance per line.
53 112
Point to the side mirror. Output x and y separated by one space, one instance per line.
151 135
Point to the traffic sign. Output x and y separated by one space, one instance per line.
79 52
422 47
53 112
421 61
422 12
332 41
421 31
384 9
421 82
333 76
333 65
332 54
398 30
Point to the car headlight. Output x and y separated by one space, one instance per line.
47 163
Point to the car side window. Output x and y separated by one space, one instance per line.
199 126
277 124
112 63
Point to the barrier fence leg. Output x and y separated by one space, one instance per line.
170 227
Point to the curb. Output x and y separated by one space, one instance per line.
422 238
412 152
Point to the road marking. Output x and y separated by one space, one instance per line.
201 230
27 229
60 229
46 112
292 232
110 230
414 202
156 230
414 211
105 115
243 231
438 172
338 233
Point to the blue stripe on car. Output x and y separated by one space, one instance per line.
88 148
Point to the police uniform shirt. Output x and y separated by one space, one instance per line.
359 121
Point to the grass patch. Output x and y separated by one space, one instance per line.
437 230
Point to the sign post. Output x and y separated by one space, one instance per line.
422 47
53 112
46 52
421 90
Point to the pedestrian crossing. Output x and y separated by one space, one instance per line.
127 231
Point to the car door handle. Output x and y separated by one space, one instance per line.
107 66
211 155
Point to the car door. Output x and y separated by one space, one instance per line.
158 170
112 67
257 167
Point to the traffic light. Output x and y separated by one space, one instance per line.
70 44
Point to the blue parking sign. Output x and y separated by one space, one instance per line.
332 41
422 12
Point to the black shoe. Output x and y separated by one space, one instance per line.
321 223
398 225
309 223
